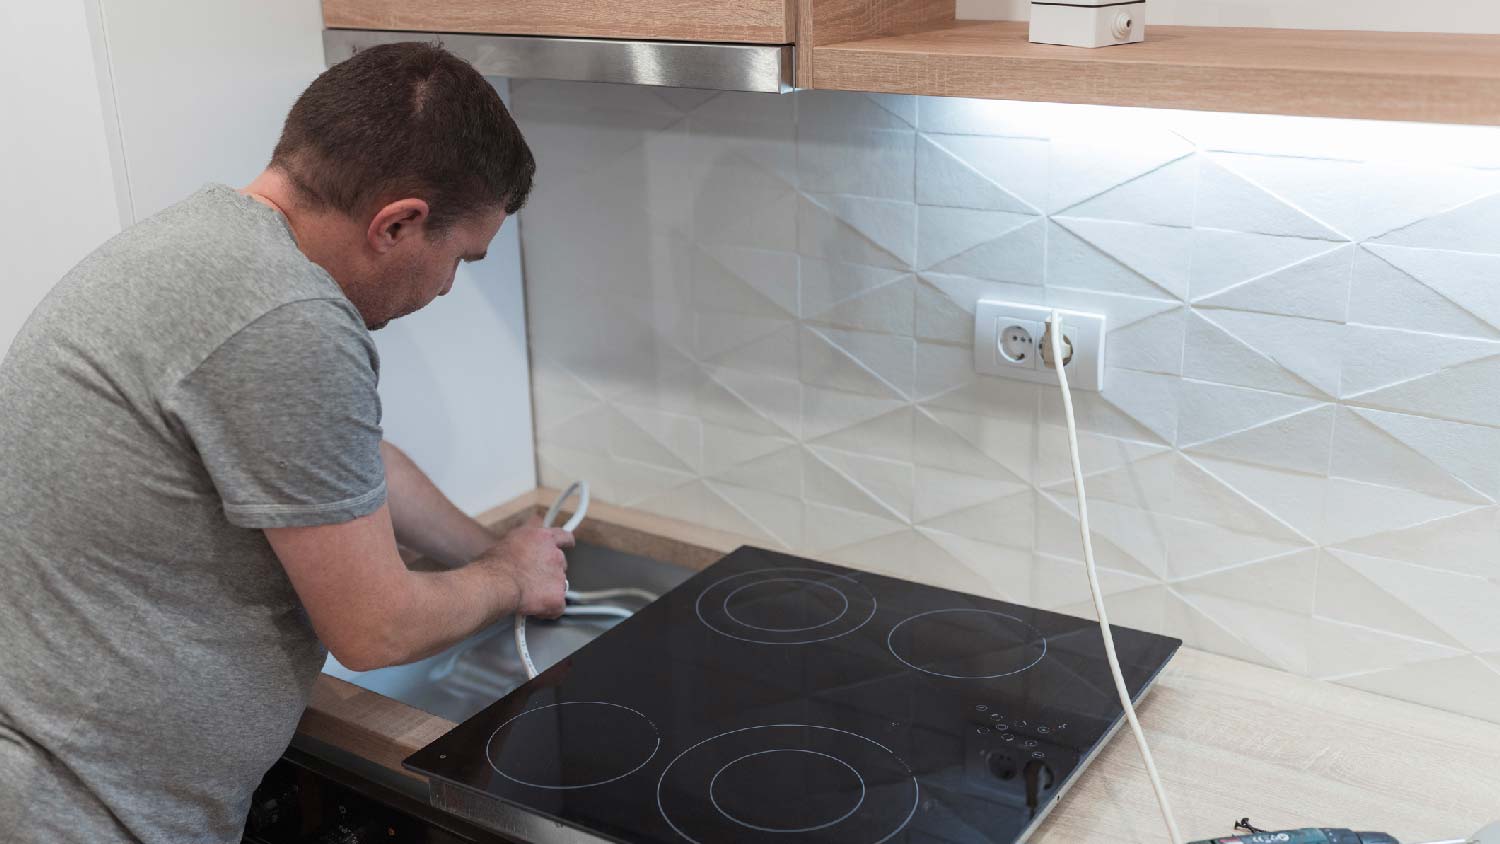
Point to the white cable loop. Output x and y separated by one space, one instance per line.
582 489
1055 335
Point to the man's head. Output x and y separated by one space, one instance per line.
403 162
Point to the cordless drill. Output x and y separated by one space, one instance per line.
1304 836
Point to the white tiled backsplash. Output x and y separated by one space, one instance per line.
754 312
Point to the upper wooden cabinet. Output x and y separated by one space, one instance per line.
732 21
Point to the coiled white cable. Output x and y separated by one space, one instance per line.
582 488
1055 339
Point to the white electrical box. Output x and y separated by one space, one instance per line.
1008 343
1088 23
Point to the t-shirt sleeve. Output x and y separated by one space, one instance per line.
286 418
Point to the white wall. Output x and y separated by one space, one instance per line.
55 170
1401 15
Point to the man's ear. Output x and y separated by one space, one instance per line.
395 222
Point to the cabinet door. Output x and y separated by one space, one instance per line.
741 21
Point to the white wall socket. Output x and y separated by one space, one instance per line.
1008 343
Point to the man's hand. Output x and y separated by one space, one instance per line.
531 556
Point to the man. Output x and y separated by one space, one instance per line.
194 496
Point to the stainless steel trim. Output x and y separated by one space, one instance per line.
765 68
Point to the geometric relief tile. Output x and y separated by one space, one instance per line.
698 503
1467 452
1009 521
946 178
999 245
1134 405
1383 357
1217 353
825 412
1465 543
1347 595
1260 499
1212 411
911 555
940 491
889 357
667 440
888 435
1062 585
889 482
1363 451
848 160
631 481
1353 510
1223 260
1466 280
719 288
1299 442
1083 167
1116 257
1362 200
1459 684
830 527
1228 201
1465 393
715 333
1467 228
1125 539
859 230
1143 609
1197 628
1339 650
779 515
885 310
759 217
727 447
1280 635
938 317
1006 571
825 284
773 353
772 274
1461 605
852 483
938 446
1285 581
773 398
1315 288
1383 295
719 405
1097 454
1163 197
1006 438
779 472
826 109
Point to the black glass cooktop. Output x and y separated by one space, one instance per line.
775 699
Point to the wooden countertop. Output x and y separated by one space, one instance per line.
1231 739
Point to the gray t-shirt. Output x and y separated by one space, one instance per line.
192 381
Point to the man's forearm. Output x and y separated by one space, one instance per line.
424 519
448 606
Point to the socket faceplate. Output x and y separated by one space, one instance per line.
1085 330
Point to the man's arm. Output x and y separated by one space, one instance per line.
424 519
371 611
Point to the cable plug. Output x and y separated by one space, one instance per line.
1067 347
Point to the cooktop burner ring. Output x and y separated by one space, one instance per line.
842 597
640 718
694 775
854 608
840 819
1032 641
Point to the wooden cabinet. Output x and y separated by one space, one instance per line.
730 21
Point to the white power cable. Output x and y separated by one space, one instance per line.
1056 339
582 489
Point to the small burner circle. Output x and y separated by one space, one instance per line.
713 784
966 644
571 745
785 606
844 610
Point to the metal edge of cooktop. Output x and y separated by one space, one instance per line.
1099 746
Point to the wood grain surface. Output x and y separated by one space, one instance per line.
822 22
741 21
1441 78
1231 739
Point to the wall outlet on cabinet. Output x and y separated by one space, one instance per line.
1008 339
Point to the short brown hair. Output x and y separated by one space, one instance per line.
403 120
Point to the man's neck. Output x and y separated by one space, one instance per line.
323 236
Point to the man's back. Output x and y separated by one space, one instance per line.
194 380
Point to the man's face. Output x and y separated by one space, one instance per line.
420 268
